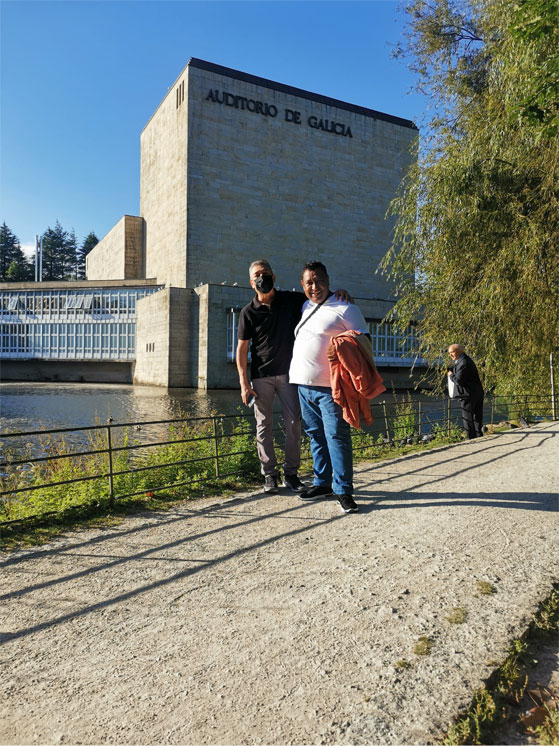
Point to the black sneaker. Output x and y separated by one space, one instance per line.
293 482
347 504
315 493
271 484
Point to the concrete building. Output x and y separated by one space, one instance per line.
234 168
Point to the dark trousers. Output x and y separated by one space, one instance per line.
472 417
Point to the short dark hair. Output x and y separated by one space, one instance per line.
315 267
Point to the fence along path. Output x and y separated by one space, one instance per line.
261 619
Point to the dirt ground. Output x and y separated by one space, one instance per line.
263 620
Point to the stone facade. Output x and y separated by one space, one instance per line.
261 186
163 186
120 254
166 338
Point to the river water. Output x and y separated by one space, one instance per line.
29 406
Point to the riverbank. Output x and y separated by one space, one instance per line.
261 619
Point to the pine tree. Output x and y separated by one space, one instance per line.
71 257
55 255
89 242
14 266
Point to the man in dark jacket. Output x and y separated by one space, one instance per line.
468 389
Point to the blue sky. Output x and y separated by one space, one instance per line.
79 81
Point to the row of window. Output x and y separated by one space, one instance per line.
389 345
79 341
53 302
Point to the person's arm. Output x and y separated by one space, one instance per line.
242 360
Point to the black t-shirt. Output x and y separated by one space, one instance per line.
271 332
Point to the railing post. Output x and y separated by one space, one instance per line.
492 409
216 449
385 420
419 418
111 485
553 404
448 409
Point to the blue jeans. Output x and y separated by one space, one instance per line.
330 437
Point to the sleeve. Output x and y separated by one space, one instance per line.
354 319
244 329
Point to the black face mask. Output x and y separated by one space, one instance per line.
264 283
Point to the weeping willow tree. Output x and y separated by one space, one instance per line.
475 256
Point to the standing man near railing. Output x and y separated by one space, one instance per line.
469 390
324 317
267 325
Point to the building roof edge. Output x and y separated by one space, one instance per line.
283 88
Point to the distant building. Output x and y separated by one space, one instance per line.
236 168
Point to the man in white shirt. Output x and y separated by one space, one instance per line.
330 437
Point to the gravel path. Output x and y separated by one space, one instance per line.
264 620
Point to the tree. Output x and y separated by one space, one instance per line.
59 253
71 257
89 242
475 253
14 266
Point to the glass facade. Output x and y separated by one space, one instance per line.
70 324
391 347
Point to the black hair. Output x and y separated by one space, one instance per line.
315 267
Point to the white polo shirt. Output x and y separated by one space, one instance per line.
309 364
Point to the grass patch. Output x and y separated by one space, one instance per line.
485 588
548 732
402 665
457 616
423 646
491 705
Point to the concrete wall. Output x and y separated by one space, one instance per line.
261 186
119 254
74 371
166 339
163 145
215 371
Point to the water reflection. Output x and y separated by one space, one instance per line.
31 406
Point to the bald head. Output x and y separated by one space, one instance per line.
455 351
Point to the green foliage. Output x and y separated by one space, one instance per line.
405 421
548 732
402 664
457 616
475 253
14 266
471 727
89 242
490 706
423 646
59 254
485 588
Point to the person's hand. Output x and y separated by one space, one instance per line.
331 354
246 393
343 295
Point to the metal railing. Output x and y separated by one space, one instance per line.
44 468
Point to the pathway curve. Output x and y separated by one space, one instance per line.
264 620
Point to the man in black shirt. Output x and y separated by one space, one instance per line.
267 324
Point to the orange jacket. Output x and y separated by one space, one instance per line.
353 377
